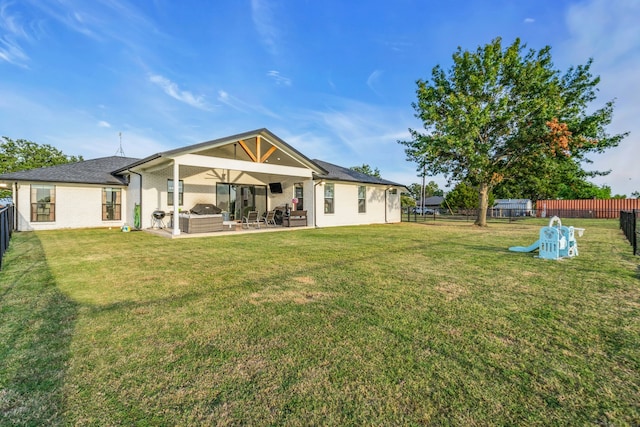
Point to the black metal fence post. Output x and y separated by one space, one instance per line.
634 215
628 224
6 230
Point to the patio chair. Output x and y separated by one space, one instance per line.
251 219
270 219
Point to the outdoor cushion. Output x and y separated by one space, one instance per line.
205 208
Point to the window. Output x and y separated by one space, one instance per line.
170 192
328 199
111 204
299 194
43 203
362 199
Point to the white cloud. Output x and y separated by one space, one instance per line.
245 107
529 20
373 79
609 33
351 133
279 78
230 101
172 89
104 124
262 13
605 30
116 20
11 32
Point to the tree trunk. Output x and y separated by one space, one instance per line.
483 205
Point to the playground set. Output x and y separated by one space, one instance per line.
556 241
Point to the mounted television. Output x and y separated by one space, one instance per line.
275 187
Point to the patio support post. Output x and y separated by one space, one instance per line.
176 198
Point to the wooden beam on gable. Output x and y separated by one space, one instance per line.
268 153
248 151
258 140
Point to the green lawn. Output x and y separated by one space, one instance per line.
374 325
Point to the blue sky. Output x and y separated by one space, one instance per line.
333 78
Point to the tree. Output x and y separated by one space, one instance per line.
501 113
22 155
430 189
464 196
584 190
636 194
406 201
366 169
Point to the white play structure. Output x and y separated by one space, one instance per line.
556 241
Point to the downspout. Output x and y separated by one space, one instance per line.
386 205
315 204
139 195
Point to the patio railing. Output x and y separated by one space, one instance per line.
6 230
629 226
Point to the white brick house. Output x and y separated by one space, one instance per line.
253 170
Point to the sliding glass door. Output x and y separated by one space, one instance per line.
239 199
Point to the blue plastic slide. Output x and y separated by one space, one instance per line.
534 246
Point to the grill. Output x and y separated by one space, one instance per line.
158 219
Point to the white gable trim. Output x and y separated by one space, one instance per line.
241 165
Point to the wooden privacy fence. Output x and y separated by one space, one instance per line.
588 208
6 229
629 225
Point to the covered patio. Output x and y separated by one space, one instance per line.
252 172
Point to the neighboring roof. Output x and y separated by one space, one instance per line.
338 173
95 171
432 201
512 203
227 140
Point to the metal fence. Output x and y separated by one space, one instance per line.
6 229
500 215
510 215
628 224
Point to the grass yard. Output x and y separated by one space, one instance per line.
374 325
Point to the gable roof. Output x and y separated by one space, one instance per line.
203 146
94 171
339 173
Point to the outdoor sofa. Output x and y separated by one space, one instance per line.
202 218
295 219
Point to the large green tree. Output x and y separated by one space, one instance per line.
22 154
506 114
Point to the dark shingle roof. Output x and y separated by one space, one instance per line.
95 171
340 173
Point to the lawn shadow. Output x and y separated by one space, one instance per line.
36 329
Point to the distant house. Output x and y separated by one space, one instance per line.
433 202
254 170
512 207
431 205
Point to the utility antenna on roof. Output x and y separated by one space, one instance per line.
120 151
